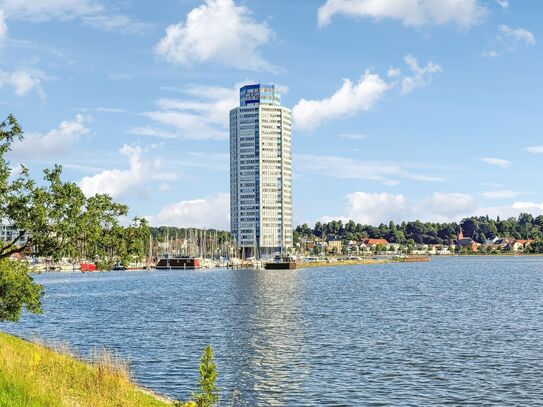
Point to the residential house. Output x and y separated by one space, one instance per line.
519 245
335 246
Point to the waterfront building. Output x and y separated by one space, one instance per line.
261 172
8 233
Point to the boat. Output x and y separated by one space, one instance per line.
177 263
281 263
85 267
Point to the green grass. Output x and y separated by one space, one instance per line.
32 375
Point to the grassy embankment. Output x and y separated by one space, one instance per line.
32 375
311 264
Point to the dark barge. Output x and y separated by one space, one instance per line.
178 263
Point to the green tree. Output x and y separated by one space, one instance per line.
210 393
17 290
55 219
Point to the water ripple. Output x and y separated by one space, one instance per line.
462 331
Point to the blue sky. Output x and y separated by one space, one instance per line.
403 109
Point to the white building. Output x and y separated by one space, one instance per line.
8 233
261 171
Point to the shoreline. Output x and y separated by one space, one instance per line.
34 373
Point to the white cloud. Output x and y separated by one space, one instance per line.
24 80
353 98
530 207
3 27
376 208
116 22
350 99
504 4
354 136
349 168
446 206
44 10
118 183
202 114
217 31
410 12
91 12
499 162
212 212
535 149
151 132
500 194
54 143
101 109
422 76
507 40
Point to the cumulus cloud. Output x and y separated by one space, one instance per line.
353 98
24 80
508 40
376 208
350 99
90 12
54 143
530 207
212 212
119 183
498 162
447 206
535 149
3 27
370 208
415 13
349 168
217 31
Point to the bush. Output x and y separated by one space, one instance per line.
17 290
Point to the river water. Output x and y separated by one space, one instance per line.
456 330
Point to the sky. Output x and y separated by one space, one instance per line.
402 109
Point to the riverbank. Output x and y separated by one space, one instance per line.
34 375
312 264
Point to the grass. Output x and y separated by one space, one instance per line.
32 375
312 264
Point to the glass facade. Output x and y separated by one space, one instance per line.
261 171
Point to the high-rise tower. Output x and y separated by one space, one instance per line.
261 171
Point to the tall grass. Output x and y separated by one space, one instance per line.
33 375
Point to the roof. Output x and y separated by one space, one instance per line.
375 241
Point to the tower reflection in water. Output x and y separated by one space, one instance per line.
268 338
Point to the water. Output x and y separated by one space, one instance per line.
456 331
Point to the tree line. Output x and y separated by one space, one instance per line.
479 228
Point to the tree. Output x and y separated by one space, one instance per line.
17 290
209 394
54 219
